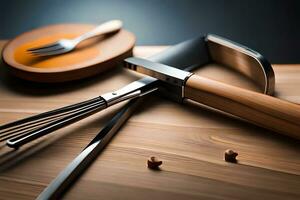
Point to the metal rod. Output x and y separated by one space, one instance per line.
40 117
23 139
26 127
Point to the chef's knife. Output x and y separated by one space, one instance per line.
262 110
186 55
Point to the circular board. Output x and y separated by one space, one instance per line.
90 57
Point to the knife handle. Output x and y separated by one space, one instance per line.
259 109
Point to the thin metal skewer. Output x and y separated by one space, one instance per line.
39 117
29 126
23 130
52 126
24 125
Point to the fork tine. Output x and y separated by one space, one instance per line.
51 48
49 53
45 50
43 47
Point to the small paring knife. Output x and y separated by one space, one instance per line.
259 109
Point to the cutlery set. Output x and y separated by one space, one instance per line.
168 74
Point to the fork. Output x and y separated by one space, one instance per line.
67 45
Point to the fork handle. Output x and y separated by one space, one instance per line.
263 110
105 28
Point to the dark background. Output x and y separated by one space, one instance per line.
270 27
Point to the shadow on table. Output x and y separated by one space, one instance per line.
45 89
21 86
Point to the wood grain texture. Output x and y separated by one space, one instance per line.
262 110
190 139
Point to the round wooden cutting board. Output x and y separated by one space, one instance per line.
90 57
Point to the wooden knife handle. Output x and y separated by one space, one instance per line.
262 110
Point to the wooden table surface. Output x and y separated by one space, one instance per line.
189 138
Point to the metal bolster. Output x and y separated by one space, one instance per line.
176 78
135 89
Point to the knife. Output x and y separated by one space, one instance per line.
187 55
259 109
